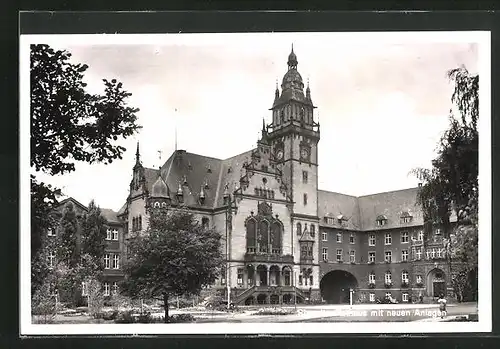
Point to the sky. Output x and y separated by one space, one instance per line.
382 102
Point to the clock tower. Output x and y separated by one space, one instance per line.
294 136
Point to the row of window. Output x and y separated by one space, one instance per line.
405 278
372 237
312 228
405 297
137 223
433 253
157 204
111 261
105 286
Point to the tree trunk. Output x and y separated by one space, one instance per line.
165 306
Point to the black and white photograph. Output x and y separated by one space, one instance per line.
285 183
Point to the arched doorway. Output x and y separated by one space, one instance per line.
287 298
436 284
250 301
274 275
262 273
335 286
261 299
274 299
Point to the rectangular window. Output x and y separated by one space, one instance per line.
420 236
240 276
300 280
108 234
388 295
51 232
115 234
325 254
418 279
371 257
418 253
106 261
351 239
339 237
352 256
339 255
115 288
371 240
388 238
433 253
116 261
404 237
404 277
52 259
371 278
388 278
404 255
304 177
405 297
372 297
438 231
388 256
324 236
106 288
438 253
305 199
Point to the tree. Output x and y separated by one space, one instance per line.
68 124
175 256
93 235
68 244
451 185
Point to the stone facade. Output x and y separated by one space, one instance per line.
280 228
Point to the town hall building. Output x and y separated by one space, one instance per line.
285 240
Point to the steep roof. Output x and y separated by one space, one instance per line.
110 215
332 204
392 205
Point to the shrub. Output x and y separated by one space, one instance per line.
125 317
182 318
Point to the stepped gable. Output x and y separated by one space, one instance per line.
230 174
331 204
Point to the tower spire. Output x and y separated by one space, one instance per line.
137 155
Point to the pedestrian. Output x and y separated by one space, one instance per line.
421 298
442 305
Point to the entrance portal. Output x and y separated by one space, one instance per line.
436 285
336 285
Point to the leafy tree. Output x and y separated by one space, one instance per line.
68 124
93 235
175 256
451 185
68 247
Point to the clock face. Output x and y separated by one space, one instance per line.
279 154
304 153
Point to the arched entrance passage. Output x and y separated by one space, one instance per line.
436 284
335 286
262 272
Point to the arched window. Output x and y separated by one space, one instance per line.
163 204
313 230
263 238
157 204
299 228
251 232
276 238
